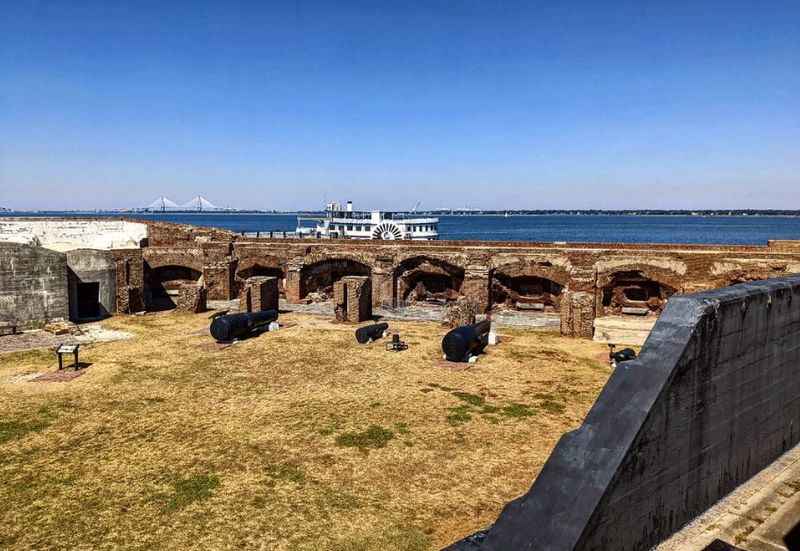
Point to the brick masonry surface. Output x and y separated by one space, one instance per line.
587 275
259 293
352 299
578 281
191 298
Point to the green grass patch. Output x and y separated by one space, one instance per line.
287 472
551 406
459 415
471 399
189 490
401 428
373 437
517 411
13 429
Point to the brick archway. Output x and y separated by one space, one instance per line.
318 277
536 285
635 289
427 279
260 266
163 282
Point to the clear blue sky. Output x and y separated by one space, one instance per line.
493 104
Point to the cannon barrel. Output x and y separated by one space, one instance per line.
233 326
374 332
624 355
463 341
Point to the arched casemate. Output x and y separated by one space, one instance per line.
260 266
634 292
162 284
317 279
425 279
537 286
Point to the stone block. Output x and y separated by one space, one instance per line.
61 327
191 298
577 314
7 328
461 312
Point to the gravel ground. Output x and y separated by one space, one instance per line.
505 318
30 340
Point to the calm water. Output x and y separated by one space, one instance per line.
744 230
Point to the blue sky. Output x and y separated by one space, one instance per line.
485 104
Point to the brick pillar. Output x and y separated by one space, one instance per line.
382 289
293 285
191 298
130 280
352 299
340 300
577 314
218 280
246 299
476 288
129 300
259 293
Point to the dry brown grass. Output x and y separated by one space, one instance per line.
299 439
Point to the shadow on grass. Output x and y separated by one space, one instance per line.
188 490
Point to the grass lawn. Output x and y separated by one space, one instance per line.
299 439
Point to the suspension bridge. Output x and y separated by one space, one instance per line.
198 203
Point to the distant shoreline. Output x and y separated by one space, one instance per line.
727 213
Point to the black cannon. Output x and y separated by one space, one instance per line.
226 328
465 341
624 355
371 332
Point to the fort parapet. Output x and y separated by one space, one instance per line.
577 281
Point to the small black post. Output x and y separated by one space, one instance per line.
60 361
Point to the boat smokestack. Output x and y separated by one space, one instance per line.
349 206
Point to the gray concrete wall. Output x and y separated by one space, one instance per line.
88 266
713 398
33 284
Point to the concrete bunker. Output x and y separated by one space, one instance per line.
317 279
92 284
634 293
163 284
424 279
33 285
